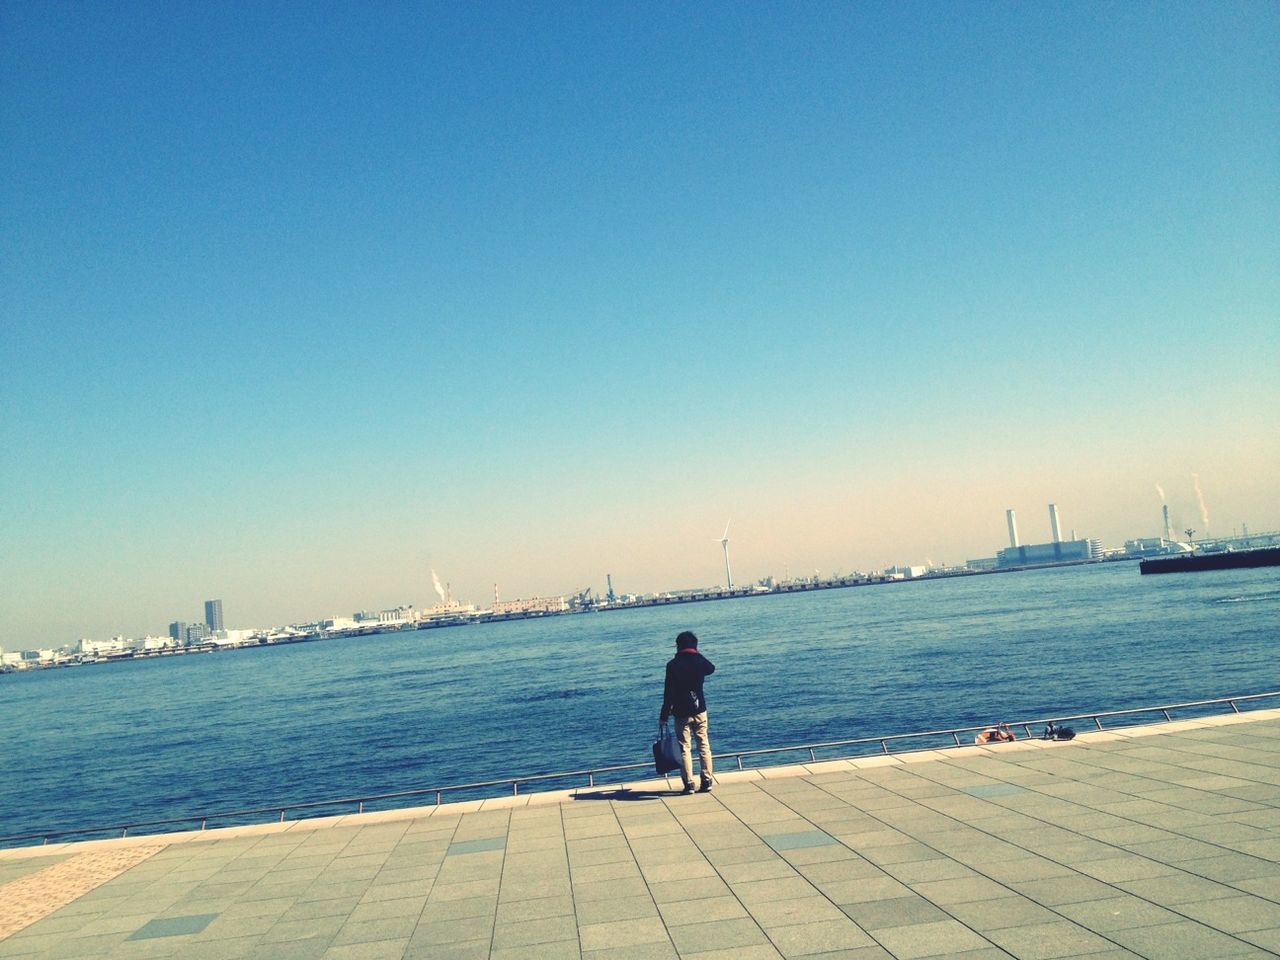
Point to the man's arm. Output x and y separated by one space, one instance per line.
666 697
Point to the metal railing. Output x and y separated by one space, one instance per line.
807 751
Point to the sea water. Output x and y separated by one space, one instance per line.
171 737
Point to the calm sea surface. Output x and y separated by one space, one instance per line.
181 735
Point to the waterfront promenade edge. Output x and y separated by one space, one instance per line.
1159 841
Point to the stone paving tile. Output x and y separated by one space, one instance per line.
1117 913
818 937
929 939
1180 941
964 890
1177 889
700 911
862 890
1234 914
643 951
622 908
531 932
693 938
1046 941
309 949
897 912
513 911
471 950
621 933
378 950
781 913
1008 911
369 931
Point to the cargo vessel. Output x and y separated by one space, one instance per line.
1226 560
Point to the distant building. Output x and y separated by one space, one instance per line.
213 615
906 573
98 647
1154 547
198 633
1064 551
982 563
532 605
178 631
149 643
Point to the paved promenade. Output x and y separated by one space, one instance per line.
1154 842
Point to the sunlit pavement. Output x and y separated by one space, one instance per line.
1157 842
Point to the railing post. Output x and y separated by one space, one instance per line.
1097 723
282 816
1233 706
956 737
1166 714
437 798
360 806
739 762
204 822
124 832
515 788
884 748
812 758
591 779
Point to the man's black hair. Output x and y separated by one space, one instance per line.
687 639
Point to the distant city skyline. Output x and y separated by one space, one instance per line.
301 305
1078 550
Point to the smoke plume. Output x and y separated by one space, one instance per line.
435 582
1204 511
1160 491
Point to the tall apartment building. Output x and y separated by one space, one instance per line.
213 615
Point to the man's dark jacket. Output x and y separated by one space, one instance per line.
682 693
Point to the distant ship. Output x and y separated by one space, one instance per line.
1226 560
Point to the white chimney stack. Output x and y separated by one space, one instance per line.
1013 528
1168 530
1053 522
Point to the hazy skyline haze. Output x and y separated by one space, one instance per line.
299 304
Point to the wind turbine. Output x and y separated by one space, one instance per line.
724 542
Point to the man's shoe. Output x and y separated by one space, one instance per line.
706 787
688 789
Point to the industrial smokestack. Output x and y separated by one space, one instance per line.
1168 530
1013 528
1053 522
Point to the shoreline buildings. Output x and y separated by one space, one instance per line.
1056 550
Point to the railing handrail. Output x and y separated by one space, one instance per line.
591 773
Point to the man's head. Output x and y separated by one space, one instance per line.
686 640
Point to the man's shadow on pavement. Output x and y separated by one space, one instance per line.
623 793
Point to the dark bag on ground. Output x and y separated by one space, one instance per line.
666 753
1054 732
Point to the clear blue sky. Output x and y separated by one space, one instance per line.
299 303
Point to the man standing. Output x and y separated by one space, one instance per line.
683 699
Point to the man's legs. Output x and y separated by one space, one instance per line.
683 725
699 724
